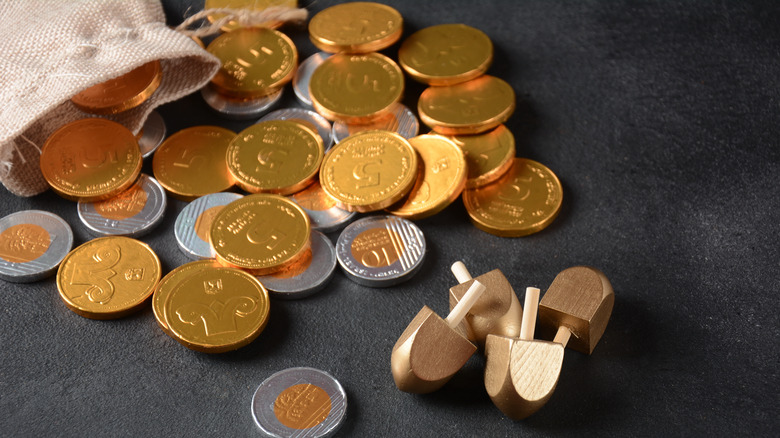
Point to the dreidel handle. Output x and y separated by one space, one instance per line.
460 271
529 313
464 305
562 336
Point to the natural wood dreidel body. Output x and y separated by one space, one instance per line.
498 311
431 349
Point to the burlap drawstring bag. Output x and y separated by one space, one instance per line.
52 49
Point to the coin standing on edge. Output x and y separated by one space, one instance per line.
523 201
381 251
301 402
260 233
152 134
322 210
122 93
32 245
194 222
401 120
239 109
108 277
90 159
308 118
133 212
356 27
310 274
191 163
488 155
303 76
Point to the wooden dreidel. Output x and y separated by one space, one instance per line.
521 374
579 302
431 350
497 312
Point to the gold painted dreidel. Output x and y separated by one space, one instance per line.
579 302
431 349
497 312
521 374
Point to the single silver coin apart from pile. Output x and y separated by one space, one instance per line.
299 402
32 245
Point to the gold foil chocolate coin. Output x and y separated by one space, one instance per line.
276 156
471 107
108 277
488 155
369 171
255 61
440 180
168 283
122 93
356 88
446 54
260 233
215 309
191 163
90 160
356 27
523 201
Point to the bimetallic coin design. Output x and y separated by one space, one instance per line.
240 109
167 284
381 251
488 155
255 5
255 61
133 212
260 233
523 201
108 277
32 245
194 223
441 178
400 120
308 275
90 159
122 93
277 156
356 27
303 76
446 54
299 402
356 88
369 171
152 134
324 214
216 309
308 118
191 163
472 107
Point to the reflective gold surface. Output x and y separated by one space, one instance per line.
471 107
216 309
122 93
261 233
580 299
356 27
255 5
108 277
166 285
278 156
23 243
440 179
192 162
255 61
90 160
488 155
446 54
356 88
523 201
302 406
369 171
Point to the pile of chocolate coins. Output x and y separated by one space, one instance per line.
521 372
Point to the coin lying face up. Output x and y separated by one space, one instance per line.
133 212
300 402
32 245
194 222
381 251
308 275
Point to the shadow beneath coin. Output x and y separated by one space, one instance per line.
352 417
272 338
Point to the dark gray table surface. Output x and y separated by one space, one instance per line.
661 120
